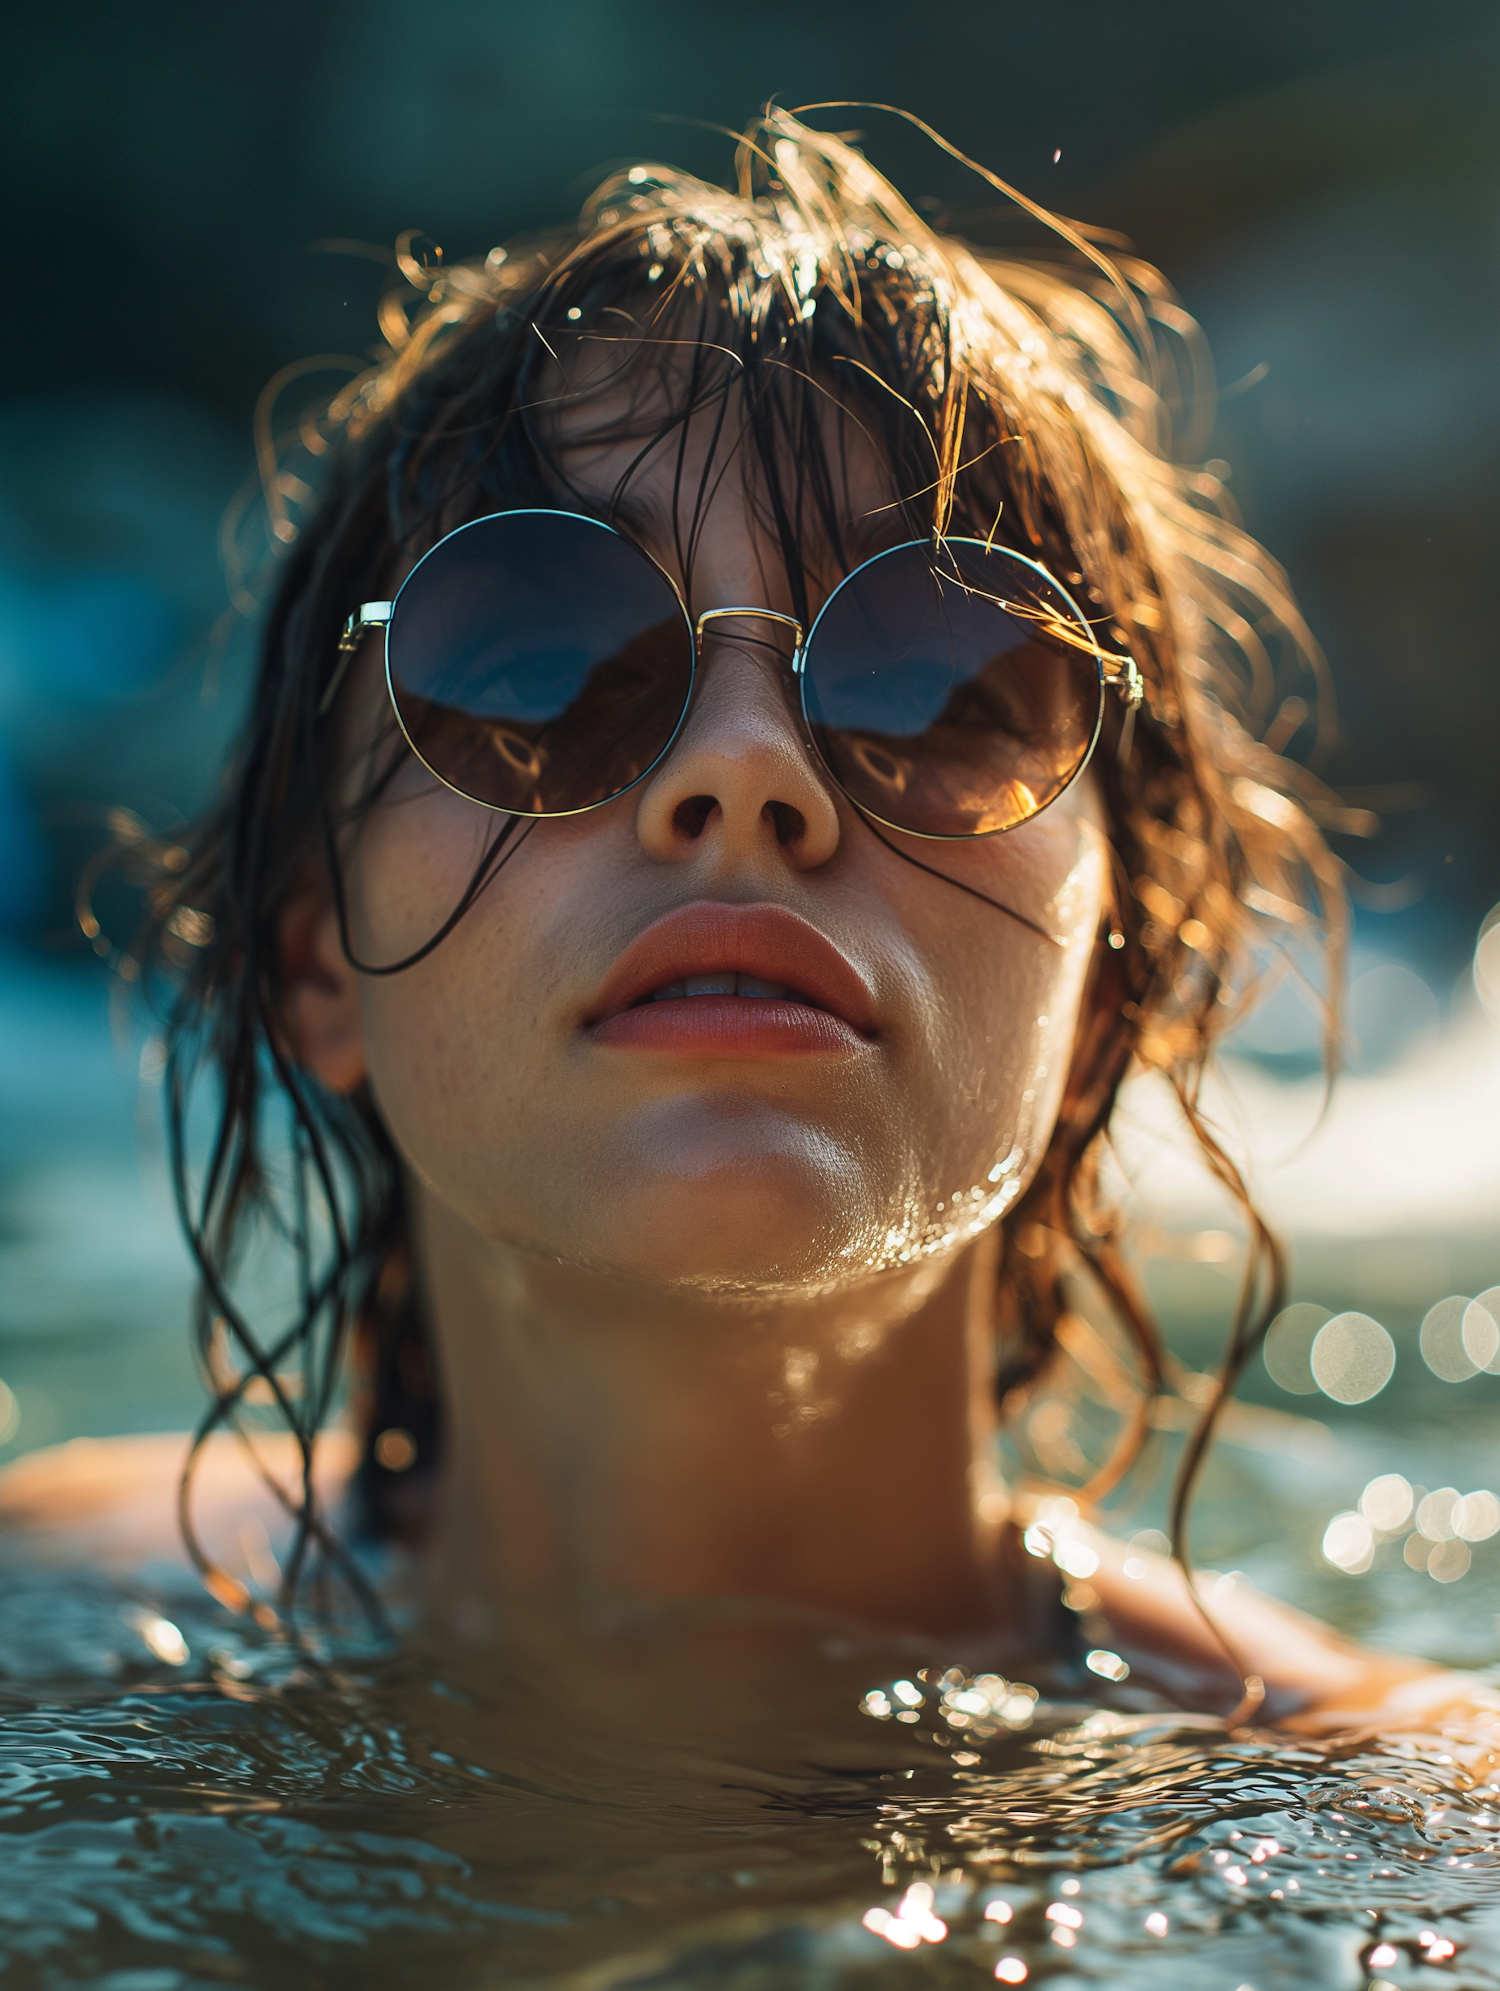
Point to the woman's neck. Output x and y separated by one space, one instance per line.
608 1446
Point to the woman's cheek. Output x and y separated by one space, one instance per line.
410 868
1011 1010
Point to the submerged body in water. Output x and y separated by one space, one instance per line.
674 1796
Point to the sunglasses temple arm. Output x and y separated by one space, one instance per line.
958 884
1123 674
372 615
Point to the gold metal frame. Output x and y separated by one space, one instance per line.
1121 673
371 615
1125 676
766 615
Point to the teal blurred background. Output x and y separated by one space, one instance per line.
1322 185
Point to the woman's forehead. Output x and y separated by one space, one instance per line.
669 465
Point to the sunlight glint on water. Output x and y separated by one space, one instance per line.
698 1803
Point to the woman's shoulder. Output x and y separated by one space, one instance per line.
113 1502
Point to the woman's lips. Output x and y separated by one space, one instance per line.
728 1027
715 980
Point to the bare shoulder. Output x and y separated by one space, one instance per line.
113 1502
1314 1678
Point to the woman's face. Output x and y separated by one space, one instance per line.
538 1084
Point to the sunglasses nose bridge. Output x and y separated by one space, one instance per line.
765 615
751 644
787 669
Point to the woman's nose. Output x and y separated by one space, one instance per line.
740 780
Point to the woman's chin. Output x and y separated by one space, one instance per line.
719 1192
752 1240
761 1228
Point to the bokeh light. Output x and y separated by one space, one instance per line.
1353 1358
1349 1543
1435 1514
1287 1352
1481 1336
1386 1502
913 1923
1108 1665
1389 1008
1152 1541
1461 1336
1442 1524
1449 1561
1487 962
1476 1517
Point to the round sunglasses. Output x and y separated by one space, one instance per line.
540 663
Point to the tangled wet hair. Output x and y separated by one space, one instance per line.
1054 397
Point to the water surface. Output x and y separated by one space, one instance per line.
692 1803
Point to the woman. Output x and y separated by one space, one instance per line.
698 933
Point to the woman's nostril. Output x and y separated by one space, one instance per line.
691 816
733 795
789 824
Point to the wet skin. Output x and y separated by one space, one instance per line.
805 1147
703 1272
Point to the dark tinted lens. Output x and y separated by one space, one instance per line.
941 711
540 663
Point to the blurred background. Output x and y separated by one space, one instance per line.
1322 185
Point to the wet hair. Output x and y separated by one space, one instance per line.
1054 397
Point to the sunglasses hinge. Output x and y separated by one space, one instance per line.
372 615
1124 675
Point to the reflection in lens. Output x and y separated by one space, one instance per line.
939 710
539 662
1352 1358
1287 1352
